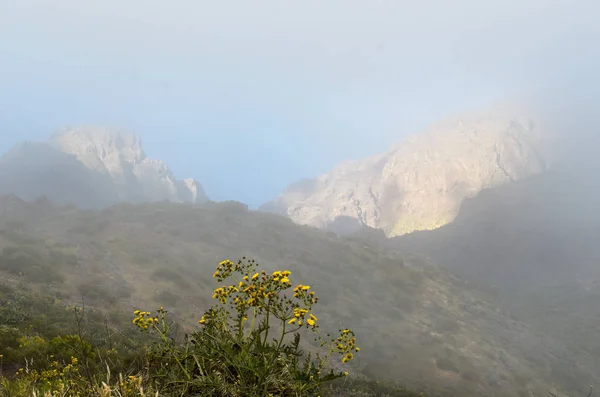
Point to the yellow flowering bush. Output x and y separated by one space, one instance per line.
56 378
249 341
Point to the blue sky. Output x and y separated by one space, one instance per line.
249 96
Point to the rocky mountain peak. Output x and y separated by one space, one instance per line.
105 160
420 183
100 148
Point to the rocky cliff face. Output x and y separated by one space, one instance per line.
92 166
421 183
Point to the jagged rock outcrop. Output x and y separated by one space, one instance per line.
421 183
92 167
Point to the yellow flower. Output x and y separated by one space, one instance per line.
286 273
311 322
313 317
277 274
305 287
347 357
292 321
285 280
255 276
216 274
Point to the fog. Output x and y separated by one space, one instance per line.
298 87
248 97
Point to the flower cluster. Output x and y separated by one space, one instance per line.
300 317
56 377
130 386
266 293
345 344
209 315
143 320
252 305
222 293
302 292
225 269
263 294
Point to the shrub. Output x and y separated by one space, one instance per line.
248 344
29 263
249 341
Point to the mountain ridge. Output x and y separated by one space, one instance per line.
109 163
420 183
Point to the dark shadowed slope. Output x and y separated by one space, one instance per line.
537 243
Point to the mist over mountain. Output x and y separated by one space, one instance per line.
92 166
417 323
534 241
484 303
420 183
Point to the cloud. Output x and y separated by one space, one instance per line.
323 80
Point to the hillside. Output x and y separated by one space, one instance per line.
416 323
533 242
92 167
537 232
420 183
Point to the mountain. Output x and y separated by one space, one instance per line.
535 243
415 322
421 183
92 167
32 170
538 231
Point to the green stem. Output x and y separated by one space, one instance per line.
253 323
163 337
267 330
282 336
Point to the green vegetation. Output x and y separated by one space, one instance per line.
406 313
231 354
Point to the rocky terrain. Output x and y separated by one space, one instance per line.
421 183
92 167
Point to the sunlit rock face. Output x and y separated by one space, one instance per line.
421 183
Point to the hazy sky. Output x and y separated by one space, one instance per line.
248 96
